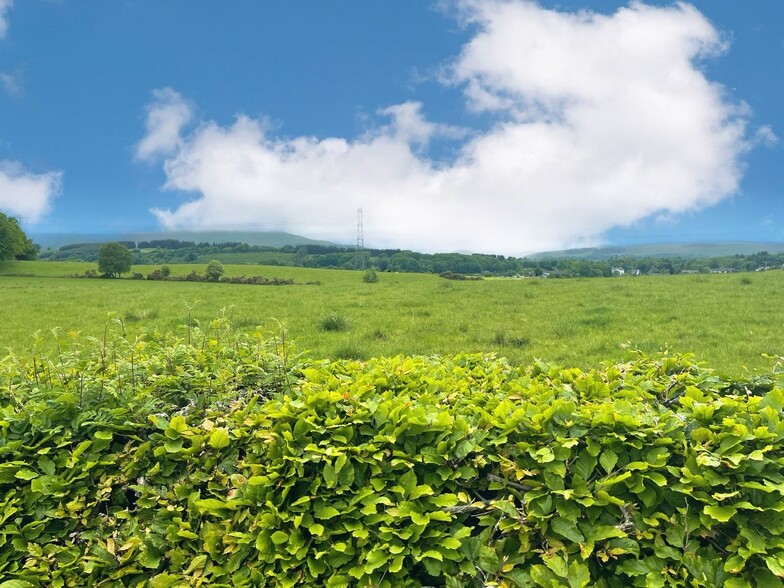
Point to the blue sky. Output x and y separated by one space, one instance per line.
479 125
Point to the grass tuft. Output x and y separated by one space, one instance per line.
244 322
333 323
135 316
350 351
503 340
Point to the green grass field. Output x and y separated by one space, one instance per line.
727 320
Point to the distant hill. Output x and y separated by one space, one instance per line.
268 239
686 250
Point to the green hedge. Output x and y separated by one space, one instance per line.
162 463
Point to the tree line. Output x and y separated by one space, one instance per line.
171 251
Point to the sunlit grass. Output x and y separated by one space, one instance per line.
724 319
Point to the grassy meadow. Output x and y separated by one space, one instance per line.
728 320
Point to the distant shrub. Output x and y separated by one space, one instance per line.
257 280
333 323
370 277
137 276
746 281
458 276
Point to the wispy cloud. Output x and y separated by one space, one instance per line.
11 84
601 121
765 136
5 6
26 194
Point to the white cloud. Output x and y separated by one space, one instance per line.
5 5
602 120
11 83
765 136
166 117
25 194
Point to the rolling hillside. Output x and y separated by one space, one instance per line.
695 250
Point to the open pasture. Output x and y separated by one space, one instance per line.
727 320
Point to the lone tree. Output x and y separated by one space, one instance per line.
370 277
114 259
214 270
14 244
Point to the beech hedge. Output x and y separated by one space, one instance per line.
221 462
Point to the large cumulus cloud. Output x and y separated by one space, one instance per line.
599 121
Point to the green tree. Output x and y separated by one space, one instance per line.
214 270
14 244
114 259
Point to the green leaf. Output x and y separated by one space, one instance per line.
608 459
197 563
219 438
173 446
375 559
445 500
766 579
488 559
26 474
325 511
148 560
579 575
8 472
408 481
604 532
774 565
214 506
16 584
720 513
584 465
544 577
556 564
566 529
330 477
419 491
164 580
450 543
